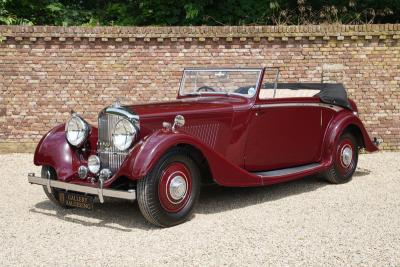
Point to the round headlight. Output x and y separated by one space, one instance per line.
124 134
94 164
77 130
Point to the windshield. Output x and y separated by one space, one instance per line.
226 81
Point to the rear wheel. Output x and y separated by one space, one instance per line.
345 160
167 195
53 194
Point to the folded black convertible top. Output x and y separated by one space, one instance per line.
330 93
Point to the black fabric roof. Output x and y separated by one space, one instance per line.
330 93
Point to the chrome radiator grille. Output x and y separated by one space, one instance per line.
110 156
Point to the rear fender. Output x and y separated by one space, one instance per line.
342 122
147 153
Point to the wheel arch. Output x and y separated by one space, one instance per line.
345 122
218 169
200 159
143 158
356 132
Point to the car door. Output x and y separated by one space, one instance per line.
283 132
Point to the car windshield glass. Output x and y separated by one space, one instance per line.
220 81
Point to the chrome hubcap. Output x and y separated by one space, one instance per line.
347 156
177 188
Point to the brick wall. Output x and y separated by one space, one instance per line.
47 71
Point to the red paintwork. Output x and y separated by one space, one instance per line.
336 126
166 201
283 147
234 134
54 150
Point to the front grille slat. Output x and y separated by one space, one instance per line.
110 156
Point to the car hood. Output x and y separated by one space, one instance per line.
198 106
199 113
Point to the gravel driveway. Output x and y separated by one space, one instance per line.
301 222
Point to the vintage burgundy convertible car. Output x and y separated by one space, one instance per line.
232 127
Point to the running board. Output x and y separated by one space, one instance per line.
288 171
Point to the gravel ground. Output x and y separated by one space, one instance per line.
297 223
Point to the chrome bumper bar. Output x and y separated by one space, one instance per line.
377 141
100 191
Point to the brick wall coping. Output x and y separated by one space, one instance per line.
383 31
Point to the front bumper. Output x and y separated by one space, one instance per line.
99 191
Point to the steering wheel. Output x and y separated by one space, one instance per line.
205 88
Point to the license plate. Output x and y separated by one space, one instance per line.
76 200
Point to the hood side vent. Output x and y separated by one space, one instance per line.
205 132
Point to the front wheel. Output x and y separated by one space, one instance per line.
168 193
345 160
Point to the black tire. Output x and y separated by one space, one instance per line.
338 173
53 195
149 195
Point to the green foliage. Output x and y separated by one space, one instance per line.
338 11
197 12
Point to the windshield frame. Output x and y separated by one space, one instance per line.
257 85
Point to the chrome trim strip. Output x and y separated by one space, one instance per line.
104 151
131 194
322 105
287 171
121 111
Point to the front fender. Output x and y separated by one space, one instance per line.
338 125
53 150
146 154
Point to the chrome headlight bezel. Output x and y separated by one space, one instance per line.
124 134
82 127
